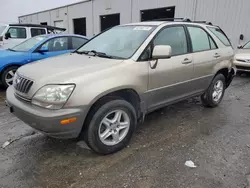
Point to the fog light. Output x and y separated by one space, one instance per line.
67 121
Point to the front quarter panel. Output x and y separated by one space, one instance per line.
19 60
126 75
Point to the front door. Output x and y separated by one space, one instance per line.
17 36
55 46
172 78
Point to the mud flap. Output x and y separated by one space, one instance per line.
230 77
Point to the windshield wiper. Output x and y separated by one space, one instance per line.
11 50
94 53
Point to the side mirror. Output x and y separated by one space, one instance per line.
7 36
162 52
240 46
43 49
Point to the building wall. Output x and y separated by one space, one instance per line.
104 7
83 10
231 15
183 8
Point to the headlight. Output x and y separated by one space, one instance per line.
52 96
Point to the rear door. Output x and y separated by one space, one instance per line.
206 55
172 78
55 46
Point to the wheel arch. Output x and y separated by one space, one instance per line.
128 94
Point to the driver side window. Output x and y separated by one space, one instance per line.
56 44
174 37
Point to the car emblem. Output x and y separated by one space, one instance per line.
18 80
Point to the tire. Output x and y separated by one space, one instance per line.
6 74
95 128
209 98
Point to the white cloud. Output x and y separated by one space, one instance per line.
11 9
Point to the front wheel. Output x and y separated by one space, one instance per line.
111 127
214 94
7 76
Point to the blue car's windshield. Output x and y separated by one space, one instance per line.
28 44
120 42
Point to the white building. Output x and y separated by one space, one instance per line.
90 17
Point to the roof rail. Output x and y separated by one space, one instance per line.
40 26
205 22
182 20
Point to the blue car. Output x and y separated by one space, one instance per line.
34 49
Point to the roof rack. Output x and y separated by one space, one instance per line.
182 20
40 26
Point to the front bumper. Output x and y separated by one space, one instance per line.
242 66
46 121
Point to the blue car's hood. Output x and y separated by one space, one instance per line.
8 53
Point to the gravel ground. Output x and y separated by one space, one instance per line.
216 140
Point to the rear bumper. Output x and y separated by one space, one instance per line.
46 121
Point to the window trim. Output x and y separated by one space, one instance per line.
230 44
37 28
36 50
18 28
208 35
189 47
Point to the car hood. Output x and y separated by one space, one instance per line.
242 54
11 54
65 68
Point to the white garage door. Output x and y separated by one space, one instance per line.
59 24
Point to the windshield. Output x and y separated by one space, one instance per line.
119 42
2 28
247 46
28 44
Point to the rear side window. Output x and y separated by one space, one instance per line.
201 41
77 42
37 31
174 37
17 32
221 35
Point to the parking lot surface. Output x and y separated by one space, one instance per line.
216 140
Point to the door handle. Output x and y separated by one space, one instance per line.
186 61
216 55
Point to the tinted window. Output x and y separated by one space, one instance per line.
221 35
56 44
17 32
36 31
77 42
199 39
174 37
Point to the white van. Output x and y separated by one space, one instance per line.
13 34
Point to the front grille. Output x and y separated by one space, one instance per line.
22 84
241 60
242 68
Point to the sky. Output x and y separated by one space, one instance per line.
11 9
